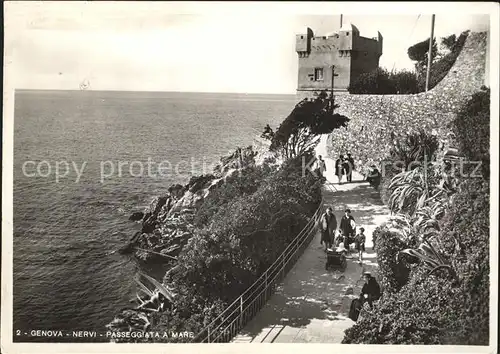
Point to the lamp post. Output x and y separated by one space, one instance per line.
331 98
430 55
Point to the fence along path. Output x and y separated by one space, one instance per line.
229 323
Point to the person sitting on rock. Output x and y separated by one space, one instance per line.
369 293
371 290
374 177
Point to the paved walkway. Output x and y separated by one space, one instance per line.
312 304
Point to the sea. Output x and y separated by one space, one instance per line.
84 161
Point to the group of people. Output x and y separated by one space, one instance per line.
343 166
346 233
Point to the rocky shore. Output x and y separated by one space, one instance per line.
167 226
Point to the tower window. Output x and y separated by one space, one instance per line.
302 37
318 74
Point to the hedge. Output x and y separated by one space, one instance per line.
472 130
393 274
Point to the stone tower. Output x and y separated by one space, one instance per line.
350 53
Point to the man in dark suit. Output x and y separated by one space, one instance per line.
348 228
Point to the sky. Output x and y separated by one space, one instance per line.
241 47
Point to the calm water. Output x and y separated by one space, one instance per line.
66 275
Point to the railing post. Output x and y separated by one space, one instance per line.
265 289
283 265
241 311
208 340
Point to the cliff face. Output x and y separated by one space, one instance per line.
381 117
166 224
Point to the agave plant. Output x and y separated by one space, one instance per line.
430 259
427 222
415 147
409 191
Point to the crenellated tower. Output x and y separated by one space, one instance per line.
350 53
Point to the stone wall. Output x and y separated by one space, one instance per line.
374 118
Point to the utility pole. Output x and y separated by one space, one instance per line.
430 54
332 97
340 20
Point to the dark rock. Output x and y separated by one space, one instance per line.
197 183
138 215
150 219
157 204
176 191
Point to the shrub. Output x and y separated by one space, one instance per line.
375 82
405 82
393 274
246 182
388 172
382 82
472 129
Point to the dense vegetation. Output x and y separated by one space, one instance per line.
472 128
381 81
434 254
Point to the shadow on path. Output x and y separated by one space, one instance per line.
312 304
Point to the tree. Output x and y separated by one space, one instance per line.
299 133
419 53
449 42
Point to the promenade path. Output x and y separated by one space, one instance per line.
312 304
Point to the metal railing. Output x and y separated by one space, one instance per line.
230 322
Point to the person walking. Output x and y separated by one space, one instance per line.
339 168
350 163
328 224
321 166
348 228
360 243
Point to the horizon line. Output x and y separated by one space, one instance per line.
150 91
